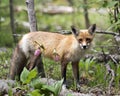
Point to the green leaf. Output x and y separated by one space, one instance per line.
24 75
48 89
87 63
32 74
10 93
35 93
58 87
36 84
27 76
69 94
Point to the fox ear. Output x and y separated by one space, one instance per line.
74 30
92 29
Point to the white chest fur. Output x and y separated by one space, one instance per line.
77 52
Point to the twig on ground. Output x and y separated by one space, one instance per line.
113 59
111 72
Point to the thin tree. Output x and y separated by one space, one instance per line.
86 15
31 15
33 28
12 20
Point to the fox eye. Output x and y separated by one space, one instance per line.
88 39
80 40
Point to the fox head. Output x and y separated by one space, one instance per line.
84 37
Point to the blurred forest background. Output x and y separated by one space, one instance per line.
57 15
49 20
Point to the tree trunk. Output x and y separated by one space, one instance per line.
12 20
31 15
86 16
33 28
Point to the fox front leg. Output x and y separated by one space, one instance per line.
75 68
63 71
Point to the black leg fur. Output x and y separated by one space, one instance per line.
40 66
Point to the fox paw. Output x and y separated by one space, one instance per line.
64 86
78 87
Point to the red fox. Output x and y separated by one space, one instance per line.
69 48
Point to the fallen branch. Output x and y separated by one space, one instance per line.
107 32
97 31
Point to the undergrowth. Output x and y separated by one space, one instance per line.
92 74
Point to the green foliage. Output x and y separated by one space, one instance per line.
96 74
92 71
113 6
26 76
29 77
109 4
46 89
57 87
35 93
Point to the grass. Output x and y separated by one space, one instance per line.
52 69
5 57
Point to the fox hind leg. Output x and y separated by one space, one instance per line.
32 62
36 61
17 63
40 67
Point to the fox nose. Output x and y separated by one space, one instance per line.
84 47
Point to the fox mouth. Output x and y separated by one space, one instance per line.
83 46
